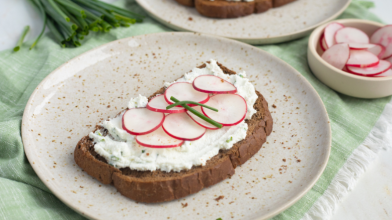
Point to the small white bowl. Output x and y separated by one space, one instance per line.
343 82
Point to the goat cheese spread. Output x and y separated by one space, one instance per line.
121 150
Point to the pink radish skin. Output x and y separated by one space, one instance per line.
200 121
139 121
389 59
337 55
377 50
362 58
325 45
385 74
351 35
358 46
159 104
158 139
184 91
232 109
383 36
213 84
382 67
322 43
329 34
181 126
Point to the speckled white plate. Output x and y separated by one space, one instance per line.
277 25
98 84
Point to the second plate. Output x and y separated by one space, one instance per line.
277 25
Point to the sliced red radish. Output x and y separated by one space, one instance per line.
213 84
182 127
383 36
138 121
385 74
377 50
231 109
362 58
359 46
159 104
158 139
200 121
382 67
329 33
337 55
184 91
389 59
351 35
323 45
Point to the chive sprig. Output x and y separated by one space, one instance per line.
70 21
198 114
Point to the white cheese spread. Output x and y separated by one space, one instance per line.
121 150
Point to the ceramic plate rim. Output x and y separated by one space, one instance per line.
76 208
251 40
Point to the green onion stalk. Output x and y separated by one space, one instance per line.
21 39
69 21
198 114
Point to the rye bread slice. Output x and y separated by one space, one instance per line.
160 186
189 3
232 9
278 3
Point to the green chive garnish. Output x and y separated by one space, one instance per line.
21 39
198 114
190 102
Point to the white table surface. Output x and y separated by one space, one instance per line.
370 199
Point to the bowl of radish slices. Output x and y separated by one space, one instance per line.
353 57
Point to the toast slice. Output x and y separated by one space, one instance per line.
232 9
160 186
278 3
189 3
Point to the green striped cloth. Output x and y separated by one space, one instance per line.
24 196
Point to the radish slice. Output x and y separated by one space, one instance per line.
377 50
232 109
359 46
213 84
329 33
382 67
182 127
351 35
385 74
159 104
138 121
383 36
200 121
362 58
158 139
323 45
337 55
184 91
389 59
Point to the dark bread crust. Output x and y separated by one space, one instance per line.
189 3
230 9
278 3
224 9
160 186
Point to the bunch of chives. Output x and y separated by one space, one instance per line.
70 21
